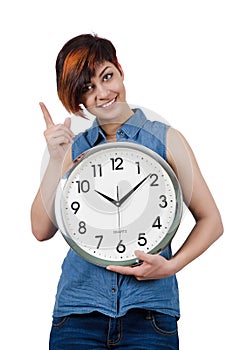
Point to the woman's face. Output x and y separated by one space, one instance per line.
104 96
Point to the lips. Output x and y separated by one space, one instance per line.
107 104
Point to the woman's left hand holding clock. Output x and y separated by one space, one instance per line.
151 266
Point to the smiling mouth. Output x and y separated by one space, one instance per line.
108 104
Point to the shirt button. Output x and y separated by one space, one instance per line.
113 290
120 132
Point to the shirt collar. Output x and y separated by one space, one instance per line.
95 133
134 123
130 127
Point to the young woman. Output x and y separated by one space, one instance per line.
116 307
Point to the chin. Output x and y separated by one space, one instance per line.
115 113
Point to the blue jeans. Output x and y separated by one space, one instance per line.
138 329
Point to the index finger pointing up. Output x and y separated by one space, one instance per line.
47 117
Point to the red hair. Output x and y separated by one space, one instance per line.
76 64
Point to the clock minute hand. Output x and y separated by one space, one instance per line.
123 199
113 201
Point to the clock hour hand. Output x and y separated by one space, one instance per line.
113 201
123 199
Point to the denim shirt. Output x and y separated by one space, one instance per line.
84 287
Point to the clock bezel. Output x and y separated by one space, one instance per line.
119 145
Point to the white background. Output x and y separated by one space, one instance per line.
177 57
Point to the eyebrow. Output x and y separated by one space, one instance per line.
102 73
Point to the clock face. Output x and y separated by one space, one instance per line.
119 198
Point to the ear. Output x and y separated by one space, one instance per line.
82 112
83 115
121 70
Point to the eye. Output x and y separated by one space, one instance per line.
86 88
107 76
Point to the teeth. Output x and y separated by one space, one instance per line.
108 104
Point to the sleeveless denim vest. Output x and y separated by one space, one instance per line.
84 287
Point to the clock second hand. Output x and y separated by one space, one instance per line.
118 210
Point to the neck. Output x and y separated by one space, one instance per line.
110 130
110 127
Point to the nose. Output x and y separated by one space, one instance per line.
101 92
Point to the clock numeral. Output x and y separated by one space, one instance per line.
157 223
83 186
138 167
154 182
100 237
82 227
117 163
75 206
97 170
121 248
141 239
163 200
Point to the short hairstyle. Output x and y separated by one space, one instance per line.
76 64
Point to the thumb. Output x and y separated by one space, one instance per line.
67 122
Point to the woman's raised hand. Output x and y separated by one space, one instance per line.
58 136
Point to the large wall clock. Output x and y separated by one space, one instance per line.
120 197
